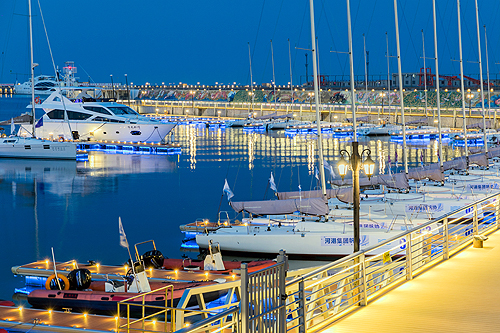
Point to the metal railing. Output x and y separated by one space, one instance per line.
150 314
316 297
321 297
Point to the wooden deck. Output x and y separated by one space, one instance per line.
458 295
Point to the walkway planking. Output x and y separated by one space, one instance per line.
458 295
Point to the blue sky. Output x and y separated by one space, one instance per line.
207 41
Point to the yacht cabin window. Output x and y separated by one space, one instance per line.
97 109
122 110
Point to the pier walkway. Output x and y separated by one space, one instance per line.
457 295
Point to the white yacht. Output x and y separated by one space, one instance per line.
43 85
382 130
90 120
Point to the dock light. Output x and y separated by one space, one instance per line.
85 315
150 271
233 276
20 308
116 318
176 271
154 322
206 274
187 324
50 311
46 262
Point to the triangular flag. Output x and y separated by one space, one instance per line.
227 190
123 237
272 184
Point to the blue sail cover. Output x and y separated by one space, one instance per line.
312 206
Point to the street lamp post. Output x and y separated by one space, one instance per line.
355 163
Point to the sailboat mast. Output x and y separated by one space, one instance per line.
366 75
438 100
488 78
388 74
251 76
274 78
481 80
32 72
425 72
401 101
316 100
462 84
291 82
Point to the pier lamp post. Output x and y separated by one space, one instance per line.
355 163
470 96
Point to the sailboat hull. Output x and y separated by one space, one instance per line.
17 147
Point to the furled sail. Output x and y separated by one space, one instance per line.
311 206
397 180
344 194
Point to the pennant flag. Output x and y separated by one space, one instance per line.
12 126
300 188
123 237
272 184
329 168
227 190
422 158
316 172
39 123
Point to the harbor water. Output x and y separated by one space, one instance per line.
73 207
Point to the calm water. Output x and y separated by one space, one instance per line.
74 206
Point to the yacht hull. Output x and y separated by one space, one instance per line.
37 149
88 130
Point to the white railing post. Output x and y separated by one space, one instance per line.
364 296
302 308
409 258
446 245
497 211
282 292
474 219
244 308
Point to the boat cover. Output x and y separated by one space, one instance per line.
365 118
479 125
396 180
344 194
494 152
431 171
267 116
458 163
312 206
479 159
420 120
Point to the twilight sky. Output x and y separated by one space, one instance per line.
159 41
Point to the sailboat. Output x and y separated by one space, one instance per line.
313 239
32 147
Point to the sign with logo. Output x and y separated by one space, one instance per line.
483 186
424 208
343 241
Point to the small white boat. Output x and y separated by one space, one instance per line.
27 147
382 130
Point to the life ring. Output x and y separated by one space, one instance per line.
59 276
37 100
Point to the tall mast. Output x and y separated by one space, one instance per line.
488 78
316 100
274 78
32 73
462 84
425 72
481 80
438 100
401 101
366 74
388 74
290 60
251 77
